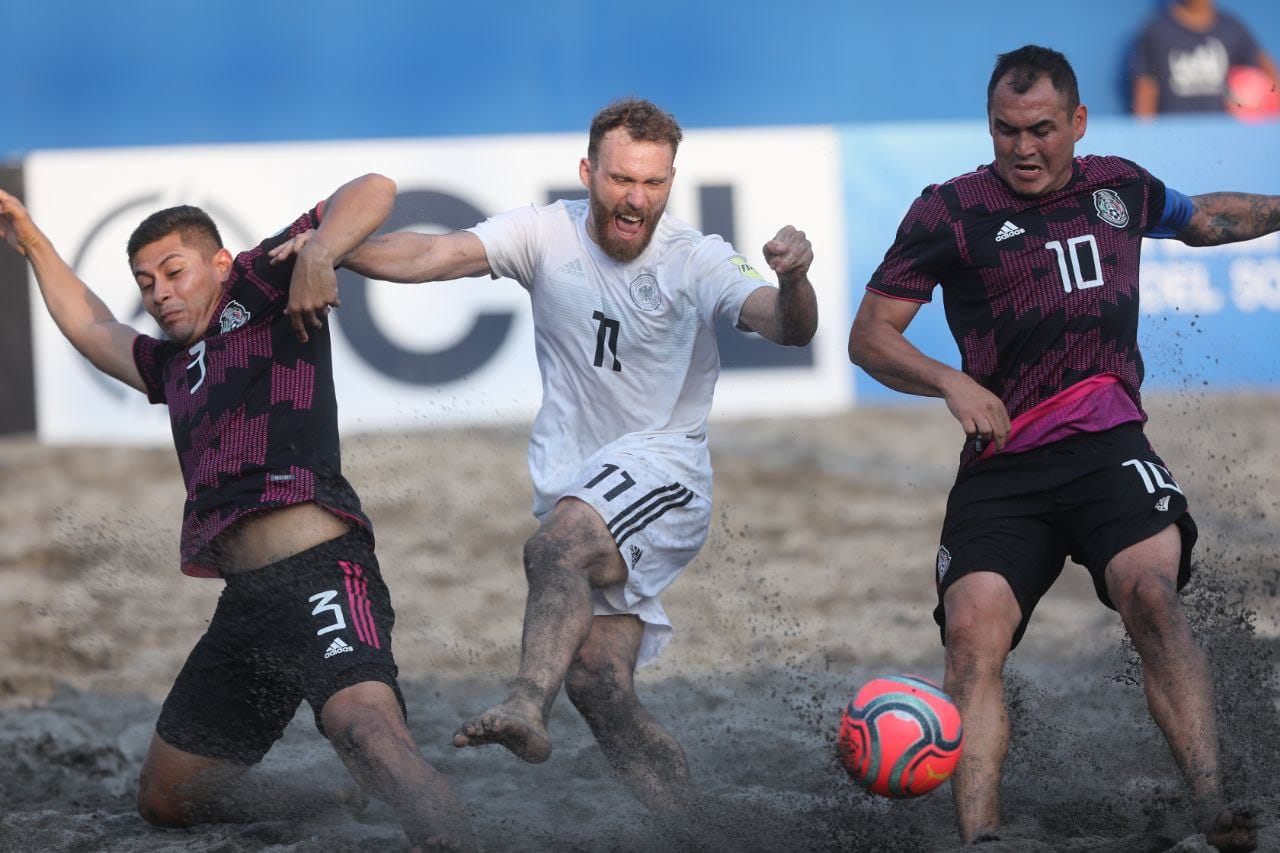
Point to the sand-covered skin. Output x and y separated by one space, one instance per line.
817 575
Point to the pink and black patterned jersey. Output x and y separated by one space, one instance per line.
1040 293
253 411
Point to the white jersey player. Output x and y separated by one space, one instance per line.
624 304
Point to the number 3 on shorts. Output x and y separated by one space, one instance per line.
627 481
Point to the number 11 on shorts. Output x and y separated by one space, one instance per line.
627 481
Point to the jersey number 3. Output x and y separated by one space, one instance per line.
606 333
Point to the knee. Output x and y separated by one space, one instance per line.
355 727
1147 601
543 555
977 646
597 691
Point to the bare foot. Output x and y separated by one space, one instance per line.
512 725
1232 829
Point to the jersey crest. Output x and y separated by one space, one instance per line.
233 316
1110 207
645 293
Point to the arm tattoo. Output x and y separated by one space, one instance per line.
1231 217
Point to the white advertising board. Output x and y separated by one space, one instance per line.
409 356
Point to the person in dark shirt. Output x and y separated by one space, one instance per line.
1037 254
1183 59
247 374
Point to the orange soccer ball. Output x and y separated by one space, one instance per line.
900 736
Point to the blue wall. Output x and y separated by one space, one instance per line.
135 72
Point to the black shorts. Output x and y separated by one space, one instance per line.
301 628
1089 497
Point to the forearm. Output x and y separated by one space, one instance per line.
351 214
889 358
408 257
796 311
75 309
1219 218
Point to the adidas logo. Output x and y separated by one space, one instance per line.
337 647
574 268
1007 230
1163 504
636 554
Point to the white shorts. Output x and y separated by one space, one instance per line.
658 524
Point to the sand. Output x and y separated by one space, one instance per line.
817 576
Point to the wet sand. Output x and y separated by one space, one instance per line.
816 577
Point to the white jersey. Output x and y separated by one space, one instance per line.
627 351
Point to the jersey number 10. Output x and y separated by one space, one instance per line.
1083 272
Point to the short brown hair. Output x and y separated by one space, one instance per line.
644 121
194 227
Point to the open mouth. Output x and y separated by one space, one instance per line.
1026 170
628 225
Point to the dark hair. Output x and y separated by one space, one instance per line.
644 121
192 224
1028 64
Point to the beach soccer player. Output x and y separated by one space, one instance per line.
1037 255
247 374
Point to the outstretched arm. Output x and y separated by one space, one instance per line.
787 315
351 214
1218 218
406 256
878 346
80 315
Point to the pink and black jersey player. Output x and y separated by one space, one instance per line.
253 412
246 371
1041 293
1037 255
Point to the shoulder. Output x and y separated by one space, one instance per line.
1102 169
681 243
945 202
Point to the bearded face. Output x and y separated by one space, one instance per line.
629 185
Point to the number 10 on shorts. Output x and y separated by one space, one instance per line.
1153 476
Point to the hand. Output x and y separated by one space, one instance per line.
313 288
982 414
16 227
290 247
789 254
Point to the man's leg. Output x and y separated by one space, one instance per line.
571 553
179 788
601 685
1142 582
366 727
982 615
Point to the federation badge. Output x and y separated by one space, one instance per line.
233 316
645 292
944 562
1111 209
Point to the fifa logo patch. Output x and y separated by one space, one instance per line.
944 562
233 316
1110 207
745 268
